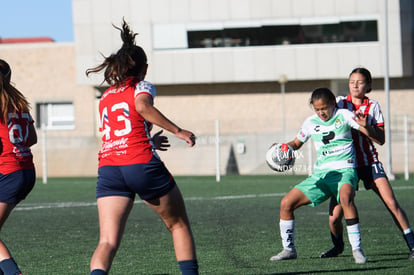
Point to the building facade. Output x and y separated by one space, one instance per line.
226 62
242 70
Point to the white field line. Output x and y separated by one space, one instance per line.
26 207
33 206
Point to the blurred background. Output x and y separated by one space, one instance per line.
238 73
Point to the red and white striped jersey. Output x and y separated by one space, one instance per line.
126 134
364 147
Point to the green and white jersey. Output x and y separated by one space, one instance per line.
332 139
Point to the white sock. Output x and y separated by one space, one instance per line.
287 232
354 236
408 231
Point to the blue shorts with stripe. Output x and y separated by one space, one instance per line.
149 180
15 186
370 173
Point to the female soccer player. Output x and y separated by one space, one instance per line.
334 173
370 169
128 163
17 171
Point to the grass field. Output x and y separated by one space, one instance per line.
235 224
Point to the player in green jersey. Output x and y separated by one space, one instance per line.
334 170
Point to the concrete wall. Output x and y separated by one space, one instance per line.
255 120
252 117
46 72
237 87
94 34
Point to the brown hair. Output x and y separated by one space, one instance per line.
323 93
11 100
366 74
129 60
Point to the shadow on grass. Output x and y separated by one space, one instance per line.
376 257
385 257
369 270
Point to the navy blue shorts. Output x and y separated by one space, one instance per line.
368 174
149 180
15 186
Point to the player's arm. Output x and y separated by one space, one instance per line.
143 105
32 138
378 134
375 133
295 144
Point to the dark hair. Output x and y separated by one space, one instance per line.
11 100
323 93
366 74
130 59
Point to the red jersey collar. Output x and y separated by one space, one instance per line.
365 101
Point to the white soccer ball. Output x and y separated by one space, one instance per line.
280 157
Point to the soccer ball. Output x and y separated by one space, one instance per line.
280 157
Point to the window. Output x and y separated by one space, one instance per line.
346 31
55 115
266 32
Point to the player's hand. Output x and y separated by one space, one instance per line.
160 142
361 118
186 135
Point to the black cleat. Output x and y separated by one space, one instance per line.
333 252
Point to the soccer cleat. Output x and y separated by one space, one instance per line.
285 255
333 252
359 256
411 256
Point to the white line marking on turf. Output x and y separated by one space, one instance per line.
26 207
54 205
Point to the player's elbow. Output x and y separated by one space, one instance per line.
32 140
141 107
380 139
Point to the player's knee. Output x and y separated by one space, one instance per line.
108 245
347 200
391 204
176 224
335 220
286 205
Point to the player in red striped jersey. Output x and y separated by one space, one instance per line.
370 169
17 171
128 163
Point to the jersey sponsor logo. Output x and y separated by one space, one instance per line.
333 152
328 137
116 144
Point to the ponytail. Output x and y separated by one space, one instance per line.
129 61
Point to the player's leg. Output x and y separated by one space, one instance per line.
336 228
7 264
113 214
291 201
15 187
171 209
347 185
346 197
384 190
